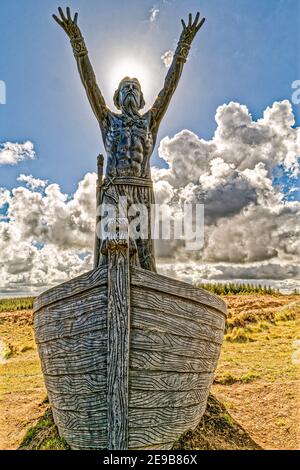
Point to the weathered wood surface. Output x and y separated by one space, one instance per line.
145 319
172 348
118 328
162 342
156 300
175 418
169 381
157 282
83 384
72 307
79 284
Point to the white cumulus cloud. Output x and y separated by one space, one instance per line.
251 228
13 153
154 12
31 182
167 58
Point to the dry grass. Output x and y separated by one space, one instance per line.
258 380
22 390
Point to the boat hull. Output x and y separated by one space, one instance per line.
175 337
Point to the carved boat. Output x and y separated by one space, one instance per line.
128 356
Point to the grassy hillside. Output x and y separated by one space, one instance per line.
255 398
16 304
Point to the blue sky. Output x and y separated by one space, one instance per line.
246 52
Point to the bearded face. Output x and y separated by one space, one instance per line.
130 96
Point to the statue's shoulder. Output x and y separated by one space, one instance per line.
114 118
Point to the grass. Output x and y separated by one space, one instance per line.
258 378
44 436
216 430
16 304
239 288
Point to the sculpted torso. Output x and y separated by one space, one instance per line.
129 144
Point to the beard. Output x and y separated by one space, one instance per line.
130 104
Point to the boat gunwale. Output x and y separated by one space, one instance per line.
100 278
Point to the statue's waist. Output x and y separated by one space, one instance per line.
127 180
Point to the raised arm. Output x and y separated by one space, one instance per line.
163 100
85 68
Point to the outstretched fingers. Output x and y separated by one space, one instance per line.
62 14
190 19
69 14
196 19
183 24
57 20
75 18
200 24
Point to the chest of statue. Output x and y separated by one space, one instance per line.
125 133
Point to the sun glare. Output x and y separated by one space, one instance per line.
132 68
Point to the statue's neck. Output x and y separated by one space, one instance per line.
130 113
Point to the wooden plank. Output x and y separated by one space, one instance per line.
89 420
154 436
179 345
81 344
70 288
80 364
83 384
147 279
90 322
161 446
186 309
85 440
78 402
74 307
169 381
151 360
157 399
118 324
172 324
172 418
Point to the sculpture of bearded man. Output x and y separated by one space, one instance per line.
129 136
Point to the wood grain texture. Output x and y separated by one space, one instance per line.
85 440
157 282
82 364
169 381
157 341
184 308
171 347
152 398
79 284
151 360
79 402
84 343
83 384
171 324
118 329
72 307
69 328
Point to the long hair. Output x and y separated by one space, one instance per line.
117 92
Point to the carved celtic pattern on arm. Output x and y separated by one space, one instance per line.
79 47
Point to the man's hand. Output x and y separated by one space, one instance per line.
190 30
68 25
